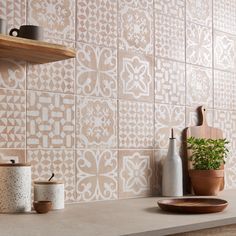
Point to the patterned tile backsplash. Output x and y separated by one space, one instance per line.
101 121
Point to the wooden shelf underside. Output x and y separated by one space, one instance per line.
32 50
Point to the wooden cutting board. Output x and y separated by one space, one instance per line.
203 131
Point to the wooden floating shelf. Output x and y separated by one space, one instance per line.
32 50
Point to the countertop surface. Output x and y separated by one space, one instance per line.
121 217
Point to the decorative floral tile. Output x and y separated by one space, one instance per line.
135 125
167 117
96 123
174 8
159 156
18 155
56 17
96 71
193 118
12 74
135 76
169 82
225 15
60 162
97 175
224 90
224 51
199 45
169 37
136 173
14 11
199 86
12 118
97 22
199 12
136 30
50 120
141 4
52 77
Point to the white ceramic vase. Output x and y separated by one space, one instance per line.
50 191
172 177
15 188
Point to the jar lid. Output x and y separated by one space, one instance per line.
47 182
14 164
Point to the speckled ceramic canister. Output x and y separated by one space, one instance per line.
50 191
15 188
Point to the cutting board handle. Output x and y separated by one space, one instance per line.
203 112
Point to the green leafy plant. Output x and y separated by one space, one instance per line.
207 154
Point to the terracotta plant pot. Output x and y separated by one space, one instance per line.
206 182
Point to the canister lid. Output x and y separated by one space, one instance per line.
47 182
14 164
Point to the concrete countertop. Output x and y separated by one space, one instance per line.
122 217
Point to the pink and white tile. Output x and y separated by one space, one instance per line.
198 45
97 22
96 123
135 124
135 76
136 173
96 71
12 118
169 81
50 120
44 162
167 117
97 175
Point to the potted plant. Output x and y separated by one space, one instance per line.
208 158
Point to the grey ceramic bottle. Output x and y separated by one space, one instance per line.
172 178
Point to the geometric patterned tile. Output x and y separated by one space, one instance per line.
96 123
97 177
14 11
169 82
12 74
224 51
141 4
174 8
60 162
198 45
12 154
167 117
135 124
56 17
50 120
52 77
169 37
12 118
135 76
97 22
136 173
224 90
136 30
199 85
199 12
96 71
225 15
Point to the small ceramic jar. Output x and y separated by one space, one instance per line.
50 191
15 188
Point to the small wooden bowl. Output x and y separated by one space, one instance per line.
42 207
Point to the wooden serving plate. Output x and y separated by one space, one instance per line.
193 205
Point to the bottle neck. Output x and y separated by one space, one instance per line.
172 147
